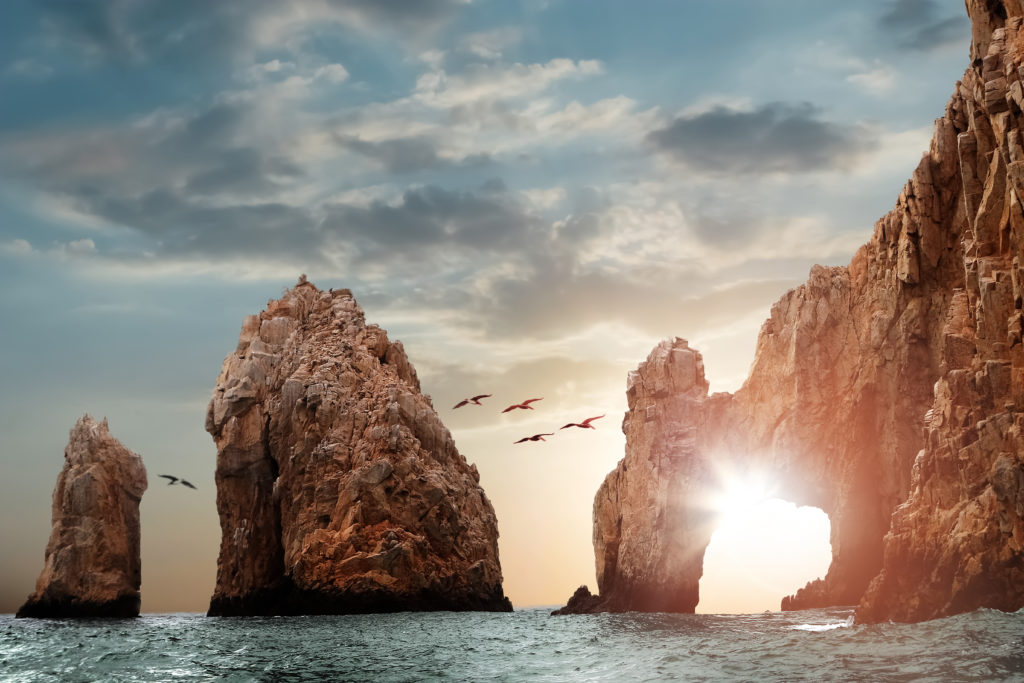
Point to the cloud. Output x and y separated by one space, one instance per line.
29 70
545 197
138 31
16 247
333 73
778 136
404 155
484 82
78 247
60 250
490 45
277 23
430 220
96 28
182 227
919 25
879 80
242 170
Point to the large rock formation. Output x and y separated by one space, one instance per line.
338 488
93 567
889 393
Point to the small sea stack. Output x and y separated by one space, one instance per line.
93 566
338 487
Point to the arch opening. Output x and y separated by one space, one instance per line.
763 548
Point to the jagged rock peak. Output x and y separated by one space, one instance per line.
93 566
888 393
338 487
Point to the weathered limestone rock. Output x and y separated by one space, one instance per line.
338 488
889 393
93 567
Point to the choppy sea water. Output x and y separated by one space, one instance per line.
528 645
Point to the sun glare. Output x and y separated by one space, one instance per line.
763 548
738 497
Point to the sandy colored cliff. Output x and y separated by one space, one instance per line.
888 393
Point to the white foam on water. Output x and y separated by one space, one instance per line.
824 627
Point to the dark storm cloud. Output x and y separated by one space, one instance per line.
434 217
920 25
776 137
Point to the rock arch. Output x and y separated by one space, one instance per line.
653 520
889 393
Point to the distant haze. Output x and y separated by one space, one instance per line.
529 194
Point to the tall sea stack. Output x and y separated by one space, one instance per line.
338 487
93 566
889 393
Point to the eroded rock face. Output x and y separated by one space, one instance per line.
93 566
889 393
338 488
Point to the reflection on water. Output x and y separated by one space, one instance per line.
813 645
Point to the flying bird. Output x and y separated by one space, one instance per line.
167 476
475 401
535 437
187 483
525 405
585 424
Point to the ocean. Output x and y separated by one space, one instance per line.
527 645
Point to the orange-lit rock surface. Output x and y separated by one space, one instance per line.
338 488
92 566
889 393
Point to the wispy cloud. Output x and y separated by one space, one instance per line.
29 69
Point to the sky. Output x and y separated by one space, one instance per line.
530 194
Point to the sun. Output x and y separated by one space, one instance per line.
738 497
762 548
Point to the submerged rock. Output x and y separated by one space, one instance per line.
93 566
338 488
888 393
581 602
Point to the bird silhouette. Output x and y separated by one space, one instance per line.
585 424
525 405
187 483
167 476
475 401
535 437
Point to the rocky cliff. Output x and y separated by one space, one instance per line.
889 393
93 567
338 488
